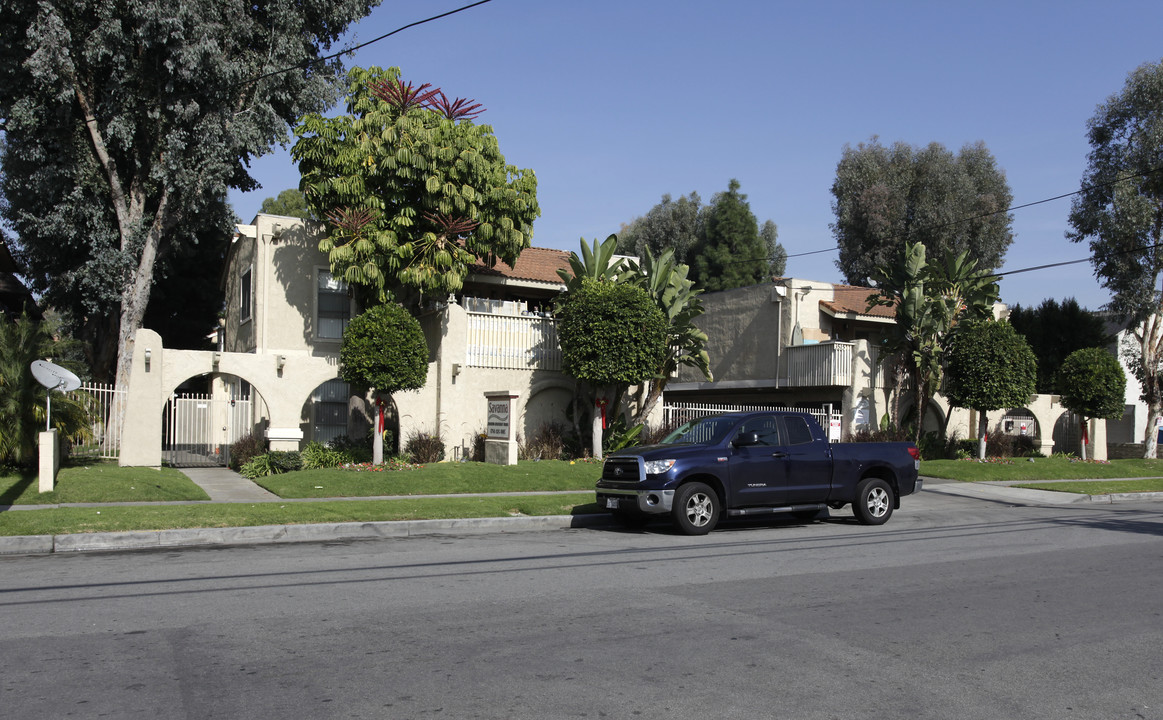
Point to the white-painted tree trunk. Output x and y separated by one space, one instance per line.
982 434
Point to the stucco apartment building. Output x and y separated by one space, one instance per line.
496 335
800 343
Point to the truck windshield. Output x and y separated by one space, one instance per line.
704 431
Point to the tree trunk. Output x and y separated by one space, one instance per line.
1082 438
1150 341
599 401
378 437
982 434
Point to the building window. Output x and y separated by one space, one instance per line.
330 410
244 296
334 307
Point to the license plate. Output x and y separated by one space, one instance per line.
611 503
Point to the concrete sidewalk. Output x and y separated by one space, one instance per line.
225 486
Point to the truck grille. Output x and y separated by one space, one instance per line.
621 470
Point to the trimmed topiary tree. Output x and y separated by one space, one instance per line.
612 336
989 366
384 349
1093 385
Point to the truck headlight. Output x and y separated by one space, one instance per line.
657 467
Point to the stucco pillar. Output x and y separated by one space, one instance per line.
1096 450
50 460
141 430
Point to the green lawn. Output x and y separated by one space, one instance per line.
1054 468
437 479
54 521
98 482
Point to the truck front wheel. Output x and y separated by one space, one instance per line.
873 503
696 509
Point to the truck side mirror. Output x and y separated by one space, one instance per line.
746 438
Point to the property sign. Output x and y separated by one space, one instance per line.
500 411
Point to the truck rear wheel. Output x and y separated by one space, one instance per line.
696 509
873 503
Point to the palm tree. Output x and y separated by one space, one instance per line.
22 398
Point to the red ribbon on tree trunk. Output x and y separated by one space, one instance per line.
602 403
380 421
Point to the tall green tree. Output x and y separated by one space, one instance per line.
427 188
989 366
384 350
776 253
1119 211
125 125
730 253
290 203
671 224
1054 330
886 197
1093 386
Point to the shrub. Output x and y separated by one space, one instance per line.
546 442
423 448
256 467
244 449
891 434
318 455
478 446
356 450
284 461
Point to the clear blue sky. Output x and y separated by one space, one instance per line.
615 102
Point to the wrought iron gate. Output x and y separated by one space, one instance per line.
198 430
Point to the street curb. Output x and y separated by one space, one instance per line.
1026 496
280 534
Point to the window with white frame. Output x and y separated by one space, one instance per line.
333 306
245 293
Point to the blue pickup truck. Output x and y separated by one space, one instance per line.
744 464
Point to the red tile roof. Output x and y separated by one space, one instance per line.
536 264
853 300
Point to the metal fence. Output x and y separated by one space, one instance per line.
104 405
675 414
198 430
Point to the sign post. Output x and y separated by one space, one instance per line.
500 440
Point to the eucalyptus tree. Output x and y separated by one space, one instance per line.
887 197
412 190
126 123
1119 211
671 224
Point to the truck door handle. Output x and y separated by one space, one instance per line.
779 454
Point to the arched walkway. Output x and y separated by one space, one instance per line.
285 383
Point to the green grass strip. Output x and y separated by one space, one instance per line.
1053 468
99 482
58 521
437 479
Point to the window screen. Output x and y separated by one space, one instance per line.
334 306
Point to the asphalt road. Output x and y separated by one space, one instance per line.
958 608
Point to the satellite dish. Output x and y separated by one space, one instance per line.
54 377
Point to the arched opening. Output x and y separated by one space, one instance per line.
333 411
1020 428
1067 433
205 415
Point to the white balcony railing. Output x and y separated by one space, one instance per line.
514 342
826 364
